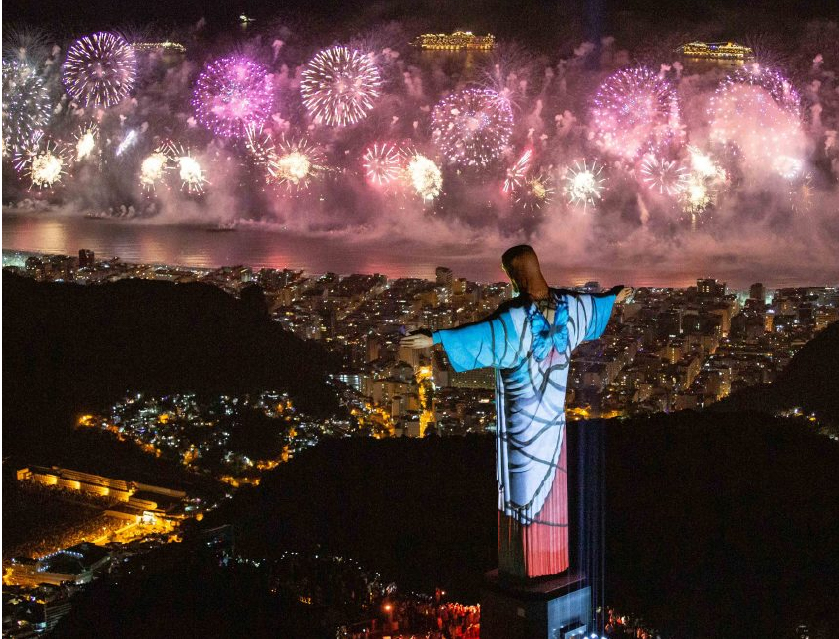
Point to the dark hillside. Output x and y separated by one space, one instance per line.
810 380
710 520
67 348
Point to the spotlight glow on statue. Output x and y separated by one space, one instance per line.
424 176
584 184
340 85
382 163
232 94
472 127
634 109
530 346
100 69
26 106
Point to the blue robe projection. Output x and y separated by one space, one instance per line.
532 359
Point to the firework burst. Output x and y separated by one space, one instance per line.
536 191
233 94
340 85
382 163
191 173
668 177
584 184
768 80
295 163
696 196
86 142
26 106
517 173
757 111
424 176
634 109
703 165
25 45
44 164
153 169
100 69
701 183
472 127
260 144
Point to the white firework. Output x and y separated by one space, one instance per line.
340 85
668 177
153 170
584 183
424 176
86 142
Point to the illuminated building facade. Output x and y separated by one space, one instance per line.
170 47
457 41
716 51
135 494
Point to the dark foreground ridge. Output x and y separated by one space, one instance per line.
716 525
810 381
67 348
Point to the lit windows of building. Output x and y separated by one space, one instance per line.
716 51
457 41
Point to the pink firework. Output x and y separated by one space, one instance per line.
100 69
472 127
634 109
232 94
517 173
383 163
757 111
769 81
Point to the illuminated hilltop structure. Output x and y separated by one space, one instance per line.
456 41
716 50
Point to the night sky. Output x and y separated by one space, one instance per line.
531 21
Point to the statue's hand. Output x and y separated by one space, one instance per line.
625 294
417 340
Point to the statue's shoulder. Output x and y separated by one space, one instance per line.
564 293
522 301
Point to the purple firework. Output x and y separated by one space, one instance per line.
779 88
100 69
232 94
633 109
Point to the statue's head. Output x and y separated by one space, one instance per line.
522 267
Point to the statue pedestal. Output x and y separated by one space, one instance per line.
550 608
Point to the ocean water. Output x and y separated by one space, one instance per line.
256 246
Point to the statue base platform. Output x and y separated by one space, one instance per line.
549 608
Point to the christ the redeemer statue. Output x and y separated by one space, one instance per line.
529 341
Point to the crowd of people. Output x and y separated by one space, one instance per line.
431 618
